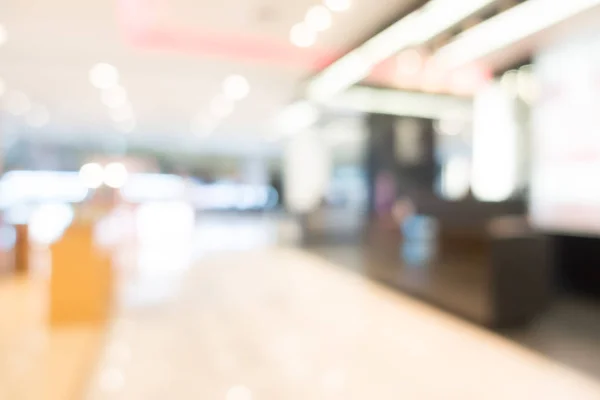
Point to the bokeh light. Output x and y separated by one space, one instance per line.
115 175
92 175
104 76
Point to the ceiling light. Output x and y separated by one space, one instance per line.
509 27
338 5
91 175
221 107
510 82
399 102
527 85
236 87
302 36
418 27
38 117
3 35
318 18
104 76
342 74
115 175
114 97
17 103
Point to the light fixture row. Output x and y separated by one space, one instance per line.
501 31
94 175
18 104
105 77
417 28
318 19
235 88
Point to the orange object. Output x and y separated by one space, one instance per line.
22 249
81 284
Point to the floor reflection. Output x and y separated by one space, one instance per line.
223 307
247 319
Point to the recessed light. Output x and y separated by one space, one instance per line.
104 76
236 87
318 18
338 5
302 36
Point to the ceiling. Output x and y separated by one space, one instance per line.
172 57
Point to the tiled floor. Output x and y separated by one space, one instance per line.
260 320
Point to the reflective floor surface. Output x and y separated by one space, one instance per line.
229 309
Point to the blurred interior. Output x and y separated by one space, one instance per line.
324 199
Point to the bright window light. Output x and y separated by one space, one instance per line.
115 175
456 177
418 27
104 76
236 87
153 187
318 18
495 145
338 5
23 187
302 36
509 27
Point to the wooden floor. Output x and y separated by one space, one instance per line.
263 322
